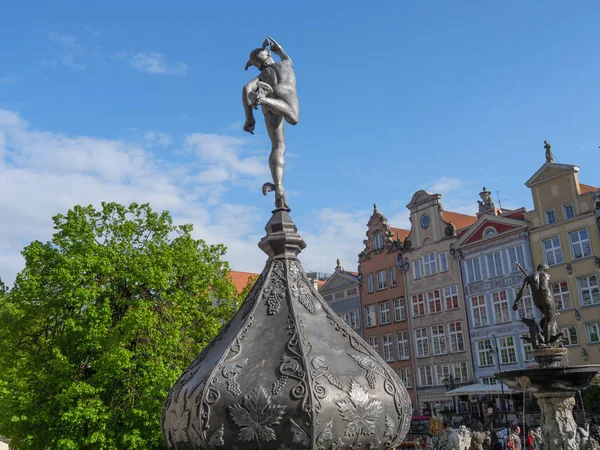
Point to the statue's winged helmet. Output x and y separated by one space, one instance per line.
258 57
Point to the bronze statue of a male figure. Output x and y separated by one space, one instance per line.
275 91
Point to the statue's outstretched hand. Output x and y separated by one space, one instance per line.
249 125
275 47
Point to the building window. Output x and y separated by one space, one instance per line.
384 313
489 381
494 261
570 336
527 348
501 311
451 297
526 304
461 372
455 334
328 298
516 255
562 296
508 355
434 300
429 264
399 310
568 211
438 340
552 251
370 315
425 376
416 265
338 295
370 283
418 305
374 344
388 347
593 332
405 374
425 221
442 374
474 270
381 280
484 353
393 279
402 344
588 290
422 342
353 319
489 231
580 244
550 217
351 292
377 240
443 259
480 318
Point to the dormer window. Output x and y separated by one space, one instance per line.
489 231
550 217
377 241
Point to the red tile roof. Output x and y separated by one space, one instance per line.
320 283
399 233
354 274
240 279
459 220
585 188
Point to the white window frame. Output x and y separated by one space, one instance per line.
370 316
566 215
432 299
562 298
370 283
485 354
393 277
387 346
442 373
595 328
508 352
438 340
384 313
555 251
427 372
582 247
402 345
494 264
460 371
550 216
374 343
500 302
429 264
377 241
417 273
456 336
405 374
516 254
568 340
474 270
443 261
399 310
591 288
479 319
451 293
381 280
526 307
526 348
418 305
489 381
421 342
353 319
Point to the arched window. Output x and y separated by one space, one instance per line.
489 231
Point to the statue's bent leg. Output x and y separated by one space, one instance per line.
276 159
281 108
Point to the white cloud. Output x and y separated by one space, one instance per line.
154 63
69 53
445 185
159 139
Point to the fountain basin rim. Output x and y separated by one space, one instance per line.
552 379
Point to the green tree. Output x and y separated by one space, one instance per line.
99 325
591 400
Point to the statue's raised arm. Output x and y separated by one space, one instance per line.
274 90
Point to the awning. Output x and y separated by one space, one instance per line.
478 388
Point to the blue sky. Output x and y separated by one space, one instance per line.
140 101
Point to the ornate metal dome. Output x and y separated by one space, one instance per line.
286 372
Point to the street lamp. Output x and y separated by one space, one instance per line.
502 399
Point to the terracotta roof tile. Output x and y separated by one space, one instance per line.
399 233
240 279
320 283
585 188
459 220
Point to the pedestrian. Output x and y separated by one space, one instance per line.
530 444
517 438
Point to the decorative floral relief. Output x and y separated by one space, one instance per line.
371 366
274 292
216 440
360 411
390 427
299 287
326 434
299 436
256 416
178 429
230 372
236 347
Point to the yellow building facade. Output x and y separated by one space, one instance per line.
563 234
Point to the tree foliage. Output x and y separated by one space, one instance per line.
99 325
591 400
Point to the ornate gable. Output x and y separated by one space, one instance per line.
550 170
490 227
390 239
